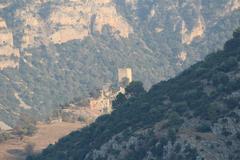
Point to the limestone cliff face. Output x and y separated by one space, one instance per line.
196 32
47 22
3 5
8 53
231 6
69 20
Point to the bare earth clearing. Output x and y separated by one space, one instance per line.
46 134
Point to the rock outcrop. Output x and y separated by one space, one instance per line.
8 53
71 20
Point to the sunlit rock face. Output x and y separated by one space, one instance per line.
70 20
50 21
190 18
8 53
231 6
196 32
4 5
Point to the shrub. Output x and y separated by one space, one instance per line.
220 78
25 130
215 110
191 153
204 128
158 150
29 148
229 64
135 89
120 100
232 103
181 108
174 120
172 135
178 148
83 118
238 135
229 143
198 138
4 136
236 33
225 132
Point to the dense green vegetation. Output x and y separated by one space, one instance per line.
201 92
4 136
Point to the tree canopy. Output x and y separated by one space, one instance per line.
135 89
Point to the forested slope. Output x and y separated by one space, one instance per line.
193 116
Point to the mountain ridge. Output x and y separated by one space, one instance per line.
159 39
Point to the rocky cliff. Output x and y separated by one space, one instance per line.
54 51
9 54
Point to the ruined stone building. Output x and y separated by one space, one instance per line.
125 73
97 106
104 102
124 78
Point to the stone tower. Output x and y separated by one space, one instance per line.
124 73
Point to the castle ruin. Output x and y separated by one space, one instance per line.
100 105
104 101
124 73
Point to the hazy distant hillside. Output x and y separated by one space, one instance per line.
52 51
194 116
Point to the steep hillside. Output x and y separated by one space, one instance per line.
54 51
193 116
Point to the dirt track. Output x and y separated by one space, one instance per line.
46 134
